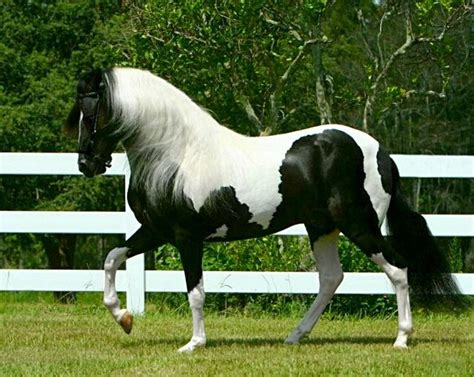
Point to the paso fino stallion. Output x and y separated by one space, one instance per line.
195 181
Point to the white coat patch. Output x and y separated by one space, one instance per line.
379 198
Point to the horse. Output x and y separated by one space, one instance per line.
195 181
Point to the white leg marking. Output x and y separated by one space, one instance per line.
330 276
399 279
220 232
196 302
113 261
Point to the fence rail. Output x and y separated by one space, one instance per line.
136 281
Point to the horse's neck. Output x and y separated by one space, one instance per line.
191 144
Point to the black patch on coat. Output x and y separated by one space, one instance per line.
323 187
348 202
223 208
303 189
384 167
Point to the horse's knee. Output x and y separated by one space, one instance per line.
197 296
398 277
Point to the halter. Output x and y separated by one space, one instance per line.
96 96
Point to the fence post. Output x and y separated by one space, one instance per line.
136 265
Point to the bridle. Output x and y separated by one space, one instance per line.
96 97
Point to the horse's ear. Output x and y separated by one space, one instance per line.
71 124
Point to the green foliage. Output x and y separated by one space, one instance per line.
455 255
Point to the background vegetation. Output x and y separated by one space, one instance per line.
397 69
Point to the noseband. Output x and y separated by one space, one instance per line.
96 97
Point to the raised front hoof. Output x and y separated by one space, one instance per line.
126 322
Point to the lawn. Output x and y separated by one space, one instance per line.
43 338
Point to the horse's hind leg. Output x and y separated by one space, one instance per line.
399 279
367 236
330 276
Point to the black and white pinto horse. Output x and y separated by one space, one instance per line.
195 181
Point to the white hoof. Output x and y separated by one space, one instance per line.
401 341
295 337
400 346
192 345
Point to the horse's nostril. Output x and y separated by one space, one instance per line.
82 166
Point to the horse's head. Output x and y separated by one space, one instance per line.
90 114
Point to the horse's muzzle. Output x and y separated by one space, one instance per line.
90 167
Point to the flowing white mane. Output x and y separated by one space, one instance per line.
166 134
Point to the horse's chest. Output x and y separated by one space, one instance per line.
160 213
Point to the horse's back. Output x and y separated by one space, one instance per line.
290 178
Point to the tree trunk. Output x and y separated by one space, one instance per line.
323 97
60 253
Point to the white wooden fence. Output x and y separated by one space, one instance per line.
136 281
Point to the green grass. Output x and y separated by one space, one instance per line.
43 338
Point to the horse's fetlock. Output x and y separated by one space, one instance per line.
111 302
406 327
198 341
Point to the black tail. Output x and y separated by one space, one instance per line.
428 268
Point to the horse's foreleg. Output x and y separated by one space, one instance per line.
330 276
191 257
196 303
113 261
399 279
141 241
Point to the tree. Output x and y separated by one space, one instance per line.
40 44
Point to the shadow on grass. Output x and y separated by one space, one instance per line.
319 341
